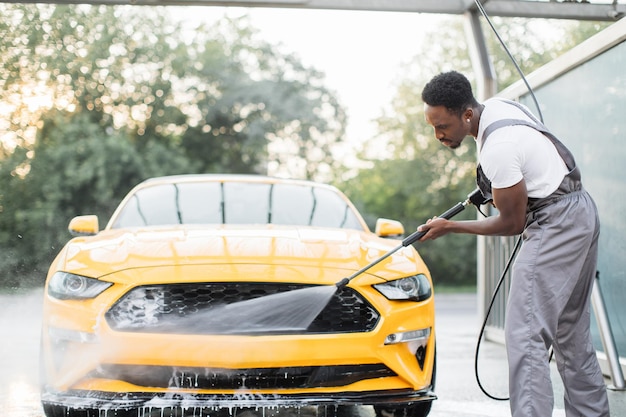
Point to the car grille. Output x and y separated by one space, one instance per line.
264 378
160 308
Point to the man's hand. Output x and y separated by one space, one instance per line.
434 228
510 220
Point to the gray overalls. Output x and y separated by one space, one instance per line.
549 298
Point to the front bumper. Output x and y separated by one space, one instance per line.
90 366
99 400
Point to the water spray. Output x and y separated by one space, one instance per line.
295 310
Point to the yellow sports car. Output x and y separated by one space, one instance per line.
206 292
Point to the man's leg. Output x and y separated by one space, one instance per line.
530 387
553 275
585 391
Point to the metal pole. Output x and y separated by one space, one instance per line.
479 55
486 88
606 335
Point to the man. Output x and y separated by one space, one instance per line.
535 186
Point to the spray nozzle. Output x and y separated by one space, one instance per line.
343 283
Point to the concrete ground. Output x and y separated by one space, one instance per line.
459 395
457 327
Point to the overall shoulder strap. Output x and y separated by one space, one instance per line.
565 154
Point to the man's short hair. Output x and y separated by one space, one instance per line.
451 90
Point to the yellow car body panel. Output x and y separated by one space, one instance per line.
85 341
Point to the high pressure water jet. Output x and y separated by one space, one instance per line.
295 310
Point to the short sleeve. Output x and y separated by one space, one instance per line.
502 163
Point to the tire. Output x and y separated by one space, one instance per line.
417 410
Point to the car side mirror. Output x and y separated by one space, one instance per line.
389 228
84 225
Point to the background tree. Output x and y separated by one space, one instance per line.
96 98
257 109
99 98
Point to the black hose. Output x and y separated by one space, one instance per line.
482 329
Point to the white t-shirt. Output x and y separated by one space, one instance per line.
514 152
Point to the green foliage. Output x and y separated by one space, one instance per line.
76 168
403 190
252 96
98 98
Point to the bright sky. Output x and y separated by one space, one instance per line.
360 52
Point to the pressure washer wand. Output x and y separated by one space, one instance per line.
473 198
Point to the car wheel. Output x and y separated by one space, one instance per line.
421 409
418 410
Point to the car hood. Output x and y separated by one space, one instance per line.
112 251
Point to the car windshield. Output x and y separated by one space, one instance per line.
236 203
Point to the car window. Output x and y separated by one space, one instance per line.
236 203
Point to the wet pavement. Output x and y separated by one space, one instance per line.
457 326
20 319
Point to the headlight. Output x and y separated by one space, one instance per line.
415 288
66 286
